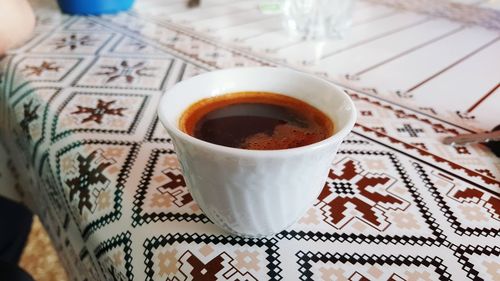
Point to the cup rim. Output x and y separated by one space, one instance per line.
335 138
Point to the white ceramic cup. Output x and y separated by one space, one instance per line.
256 192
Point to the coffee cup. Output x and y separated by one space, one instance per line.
255 193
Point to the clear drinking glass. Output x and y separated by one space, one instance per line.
317 19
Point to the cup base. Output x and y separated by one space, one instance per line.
256 236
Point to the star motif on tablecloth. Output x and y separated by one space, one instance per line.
201 270
29 115
97 113
129 72
482 199
74 41
175 187
86 176
352 187
38 70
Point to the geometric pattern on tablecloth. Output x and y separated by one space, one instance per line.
9 176
373 116
363 201
211 257
31 107
366 194
157 133
183 26
115 257
474 177
92 112
92 175
88 267
52 188
200 49
126 73
331 266
73 43
187 44
479 262
420 196
371 32
162 194
423 133
189 70
27 110
84 24
127 45
469 210
73 255
41 69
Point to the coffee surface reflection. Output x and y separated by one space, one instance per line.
256 121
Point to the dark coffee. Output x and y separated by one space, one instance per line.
256 120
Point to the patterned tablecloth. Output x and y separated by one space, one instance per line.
90 157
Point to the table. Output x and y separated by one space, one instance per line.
90 157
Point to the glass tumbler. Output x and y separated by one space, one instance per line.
317 19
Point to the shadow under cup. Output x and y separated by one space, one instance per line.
255 192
